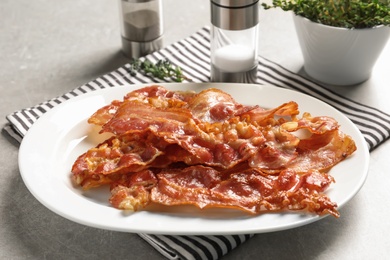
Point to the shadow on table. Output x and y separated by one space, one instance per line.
9 138
107 62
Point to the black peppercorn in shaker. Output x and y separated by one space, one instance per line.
141 26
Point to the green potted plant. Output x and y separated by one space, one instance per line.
340 40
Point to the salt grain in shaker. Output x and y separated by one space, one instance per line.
234 40
141 26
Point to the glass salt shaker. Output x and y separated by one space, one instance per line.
234 40
141 26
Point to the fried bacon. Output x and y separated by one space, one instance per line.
213 105
155 96
207 150
249 190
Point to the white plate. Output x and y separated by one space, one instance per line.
59 136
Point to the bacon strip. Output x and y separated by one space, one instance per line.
132 190
213 105
111 158
249 190
263 117
208 150
155 96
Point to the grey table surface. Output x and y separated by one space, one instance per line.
50 47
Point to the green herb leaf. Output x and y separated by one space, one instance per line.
338 13
163 69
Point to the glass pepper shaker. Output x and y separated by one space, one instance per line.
141 26
234 40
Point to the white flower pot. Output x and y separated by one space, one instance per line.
339 56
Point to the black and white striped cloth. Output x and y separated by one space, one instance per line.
193 56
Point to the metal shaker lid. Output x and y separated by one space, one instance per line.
137 1
234 3
234 14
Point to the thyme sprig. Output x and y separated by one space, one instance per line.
339 13
163 69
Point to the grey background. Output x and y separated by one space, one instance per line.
50 47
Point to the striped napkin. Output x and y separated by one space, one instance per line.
193 56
